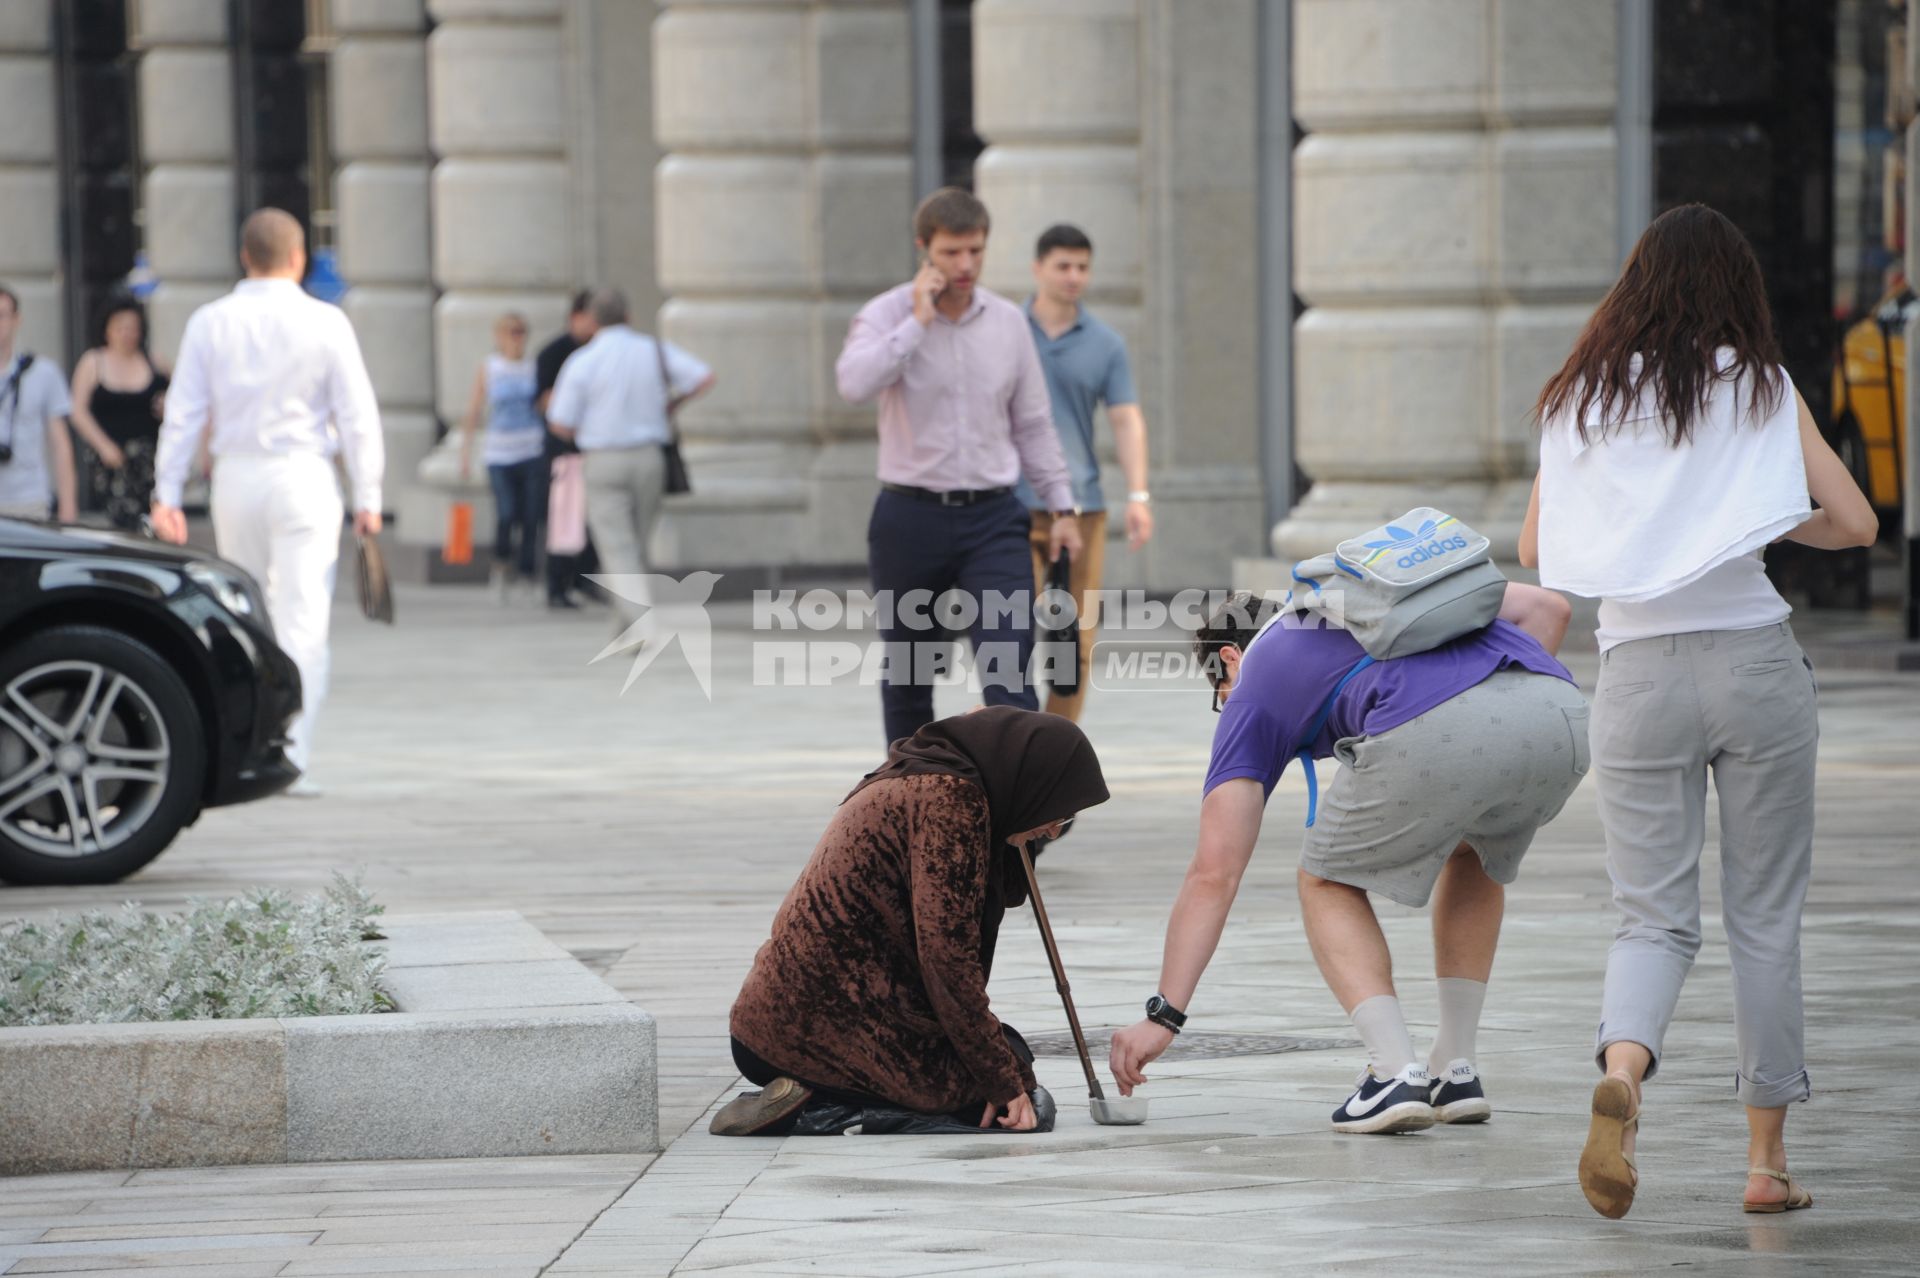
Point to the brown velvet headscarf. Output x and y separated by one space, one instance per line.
1035 769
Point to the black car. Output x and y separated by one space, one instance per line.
139 684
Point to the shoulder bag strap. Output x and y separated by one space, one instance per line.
1313 734
666 389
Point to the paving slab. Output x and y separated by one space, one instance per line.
652 837
461 987
477 936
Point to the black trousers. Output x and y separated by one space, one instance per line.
979 550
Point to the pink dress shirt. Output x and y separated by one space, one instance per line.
963 405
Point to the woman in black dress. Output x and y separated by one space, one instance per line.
119 397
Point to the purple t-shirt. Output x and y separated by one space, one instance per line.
1287 675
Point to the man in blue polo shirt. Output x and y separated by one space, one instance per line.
1086 366
1451 760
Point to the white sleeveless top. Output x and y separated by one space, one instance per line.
515 432
1734 595
1669 539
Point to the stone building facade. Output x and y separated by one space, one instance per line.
745 170
30 258
1456 218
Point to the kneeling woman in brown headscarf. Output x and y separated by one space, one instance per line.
868 1007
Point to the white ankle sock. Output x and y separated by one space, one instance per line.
1460 1004
1384 1030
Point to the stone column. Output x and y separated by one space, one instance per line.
29 179
502 227
783 203
610 94
1057 99
378 101
1455 221
1134 119
186 144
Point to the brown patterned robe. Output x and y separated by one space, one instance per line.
875 979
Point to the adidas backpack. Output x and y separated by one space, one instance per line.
1406 587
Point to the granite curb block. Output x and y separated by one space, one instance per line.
503 1046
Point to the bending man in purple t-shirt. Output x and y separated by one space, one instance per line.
1450 760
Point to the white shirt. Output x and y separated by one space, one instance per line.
26 482
278 372
609 392
1626 516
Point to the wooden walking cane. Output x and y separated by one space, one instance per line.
1060 976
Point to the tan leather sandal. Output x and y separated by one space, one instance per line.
1608 1174
1797 1195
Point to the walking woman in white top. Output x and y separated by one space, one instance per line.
1673 449
515 450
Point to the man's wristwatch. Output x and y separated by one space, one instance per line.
1165 1014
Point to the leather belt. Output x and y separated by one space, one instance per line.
955 497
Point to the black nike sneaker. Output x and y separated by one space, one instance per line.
1456 1096
1384 1105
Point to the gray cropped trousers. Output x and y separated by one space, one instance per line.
1667 711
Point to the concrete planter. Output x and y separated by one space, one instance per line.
503 1045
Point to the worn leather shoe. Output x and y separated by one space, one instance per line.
753 1113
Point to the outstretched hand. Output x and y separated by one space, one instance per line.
1133 1049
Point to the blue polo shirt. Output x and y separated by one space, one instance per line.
1085 367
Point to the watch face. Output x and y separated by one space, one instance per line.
1156 1005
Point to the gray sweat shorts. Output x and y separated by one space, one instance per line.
1488 767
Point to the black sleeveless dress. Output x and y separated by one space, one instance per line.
129 420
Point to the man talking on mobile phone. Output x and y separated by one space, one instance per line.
964 413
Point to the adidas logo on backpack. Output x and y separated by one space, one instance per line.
1405 587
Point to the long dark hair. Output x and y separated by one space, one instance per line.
1690 286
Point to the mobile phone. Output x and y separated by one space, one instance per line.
926 261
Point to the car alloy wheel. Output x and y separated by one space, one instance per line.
84 758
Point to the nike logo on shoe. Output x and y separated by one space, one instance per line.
1388 1104
1360 1108
1457 1097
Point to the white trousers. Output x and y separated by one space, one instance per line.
279 518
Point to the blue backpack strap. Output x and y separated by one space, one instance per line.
1313 735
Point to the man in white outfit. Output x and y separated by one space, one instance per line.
279 375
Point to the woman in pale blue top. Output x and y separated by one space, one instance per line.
514 450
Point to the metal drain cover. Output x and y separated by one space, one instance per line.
1193 1045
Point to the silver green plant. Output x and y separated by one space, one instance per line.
258 955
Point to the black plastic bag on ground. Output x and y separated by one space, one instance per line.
836 1118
